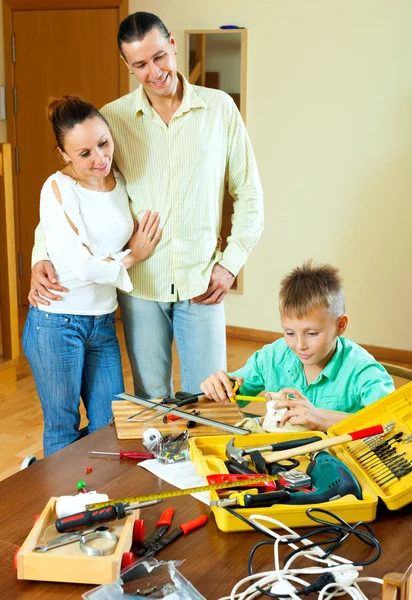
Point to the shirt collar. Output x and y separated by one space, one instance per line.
191 99
333 366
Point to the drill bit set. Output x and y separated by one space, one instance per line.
386 459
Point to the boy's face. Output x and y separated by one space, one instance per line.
313 338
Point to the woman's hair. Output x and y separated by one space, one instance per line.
310 287
134 28
68 111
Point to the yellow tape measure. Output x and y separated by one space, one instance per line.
194 490
237 397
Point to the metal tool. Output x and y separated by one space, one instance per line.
175 493
162 526
180 413
111 512
93 535
124 454
68 538
238 454
294 479
326 443
157 542
180 399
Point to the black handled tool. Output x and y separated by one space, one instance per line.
88 518
253 500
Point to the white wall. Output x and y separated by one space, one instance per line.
329 112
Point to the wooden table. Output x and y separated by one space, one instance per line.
213 561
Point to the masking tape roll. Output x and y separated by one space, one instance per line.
70 505
151 437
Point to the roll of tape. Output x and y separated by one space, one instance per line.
151 437
70 505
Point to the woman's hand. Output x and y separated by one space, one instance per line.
144 239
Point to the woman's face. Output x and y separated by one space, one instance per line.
89 146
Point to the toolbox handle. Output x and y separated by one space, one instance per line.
190 525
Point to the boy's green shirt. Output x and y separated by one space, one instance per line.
350 381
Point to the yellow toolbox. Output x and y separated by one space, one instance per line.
378 476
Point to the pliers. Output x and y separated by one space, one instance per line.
158 540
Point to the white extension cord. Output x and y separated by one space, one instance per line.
283 581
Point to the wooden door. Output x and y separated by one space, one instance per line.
56 52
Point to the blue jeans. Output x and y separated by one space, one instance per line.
149 328
72 356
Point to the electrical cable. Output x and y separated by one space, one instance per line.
337 576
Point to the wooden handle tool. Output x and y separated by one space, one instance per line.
272 457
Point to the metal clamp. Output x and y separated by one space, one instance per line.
98 535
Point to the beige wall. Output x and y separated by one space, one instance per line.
330 117
329 112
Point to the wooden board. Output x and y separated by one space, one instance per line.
129 430
68 564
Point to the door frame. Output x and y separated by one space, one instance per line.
11 6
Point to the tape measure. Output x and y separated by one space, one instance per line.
237 396
194 490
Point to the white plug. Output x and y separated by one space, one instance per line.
346 578
282 588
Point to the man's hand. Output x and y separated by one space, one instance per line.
220 283
44 279
219 388
300 411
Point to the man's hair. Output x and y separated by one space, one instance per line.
134 28
310 287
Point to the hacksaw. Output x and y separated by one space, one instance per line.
163 408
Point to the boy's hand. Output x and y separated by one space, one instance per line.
301 411
218 387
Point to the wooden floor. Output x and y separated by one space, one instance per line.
21 420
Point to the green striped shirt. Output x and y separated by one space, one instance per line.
180 171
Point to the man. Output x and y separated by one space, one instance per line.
176 145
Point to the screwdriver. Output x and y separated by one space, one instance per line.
88 518
131 455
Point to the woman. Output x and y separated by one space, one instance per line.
71 345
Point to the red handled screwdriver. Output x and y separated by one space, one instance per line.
88 518
131 455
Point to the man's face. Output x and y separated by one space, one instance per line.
153 62
313 338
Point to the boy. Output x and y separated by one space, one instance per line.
312 365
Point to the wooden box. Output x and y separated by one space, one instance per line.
129 430
68 564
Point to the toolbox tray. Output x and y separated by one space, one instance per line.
68 564
208 456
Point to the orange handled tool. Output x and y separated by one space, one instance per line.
326 443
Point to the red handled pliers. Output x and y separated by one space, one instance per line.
158 540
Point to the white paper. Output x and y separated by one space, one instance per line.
184 473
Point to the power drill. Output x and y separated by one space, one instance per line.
331 479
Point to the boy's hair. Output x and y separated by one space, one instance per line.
310 287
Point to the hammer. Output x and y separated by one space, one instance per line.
238 454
